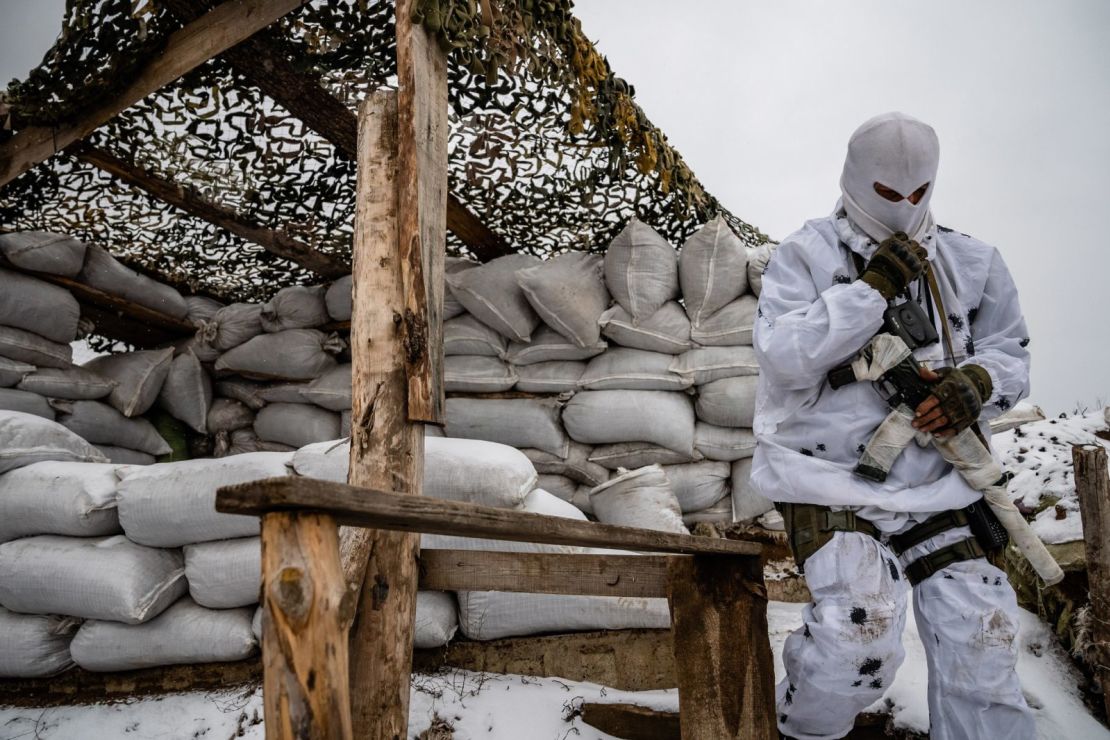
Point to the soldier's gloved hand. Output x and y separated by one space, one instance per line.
956 401
897 262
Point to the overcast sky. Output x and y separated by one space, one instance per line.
760 98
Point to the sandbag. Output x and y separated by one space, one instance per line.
187 392
38 306
634 455
174 504
521 422
13 372
124 456
712 269
639 498
345 425
28 347
332 390
667 330
296 354
201 308
699 485
491 293
185 633
641 270
477 374
26 439
296 424
633 369
549 377
43 251
723 443
660 417
338 299
718 513
224 574
451 305
757 263
436 621
729 402
284 392
34 645
104 272
231 326
227 415
241 441
548 345
568 292
139 377
99 423
71 498
25 402
244 391
467 335
576 465
295 307
732 325
89 577
747 503
74 383
205 352
706 364
557 485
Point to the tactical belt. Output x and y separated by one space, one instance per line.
810 526
927 565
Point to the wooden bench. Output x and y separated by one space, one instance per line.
715 589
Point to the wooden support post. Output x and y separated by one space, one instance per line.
726 681
304 629
1092 483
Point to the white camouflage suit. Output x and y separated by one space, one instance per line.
815 315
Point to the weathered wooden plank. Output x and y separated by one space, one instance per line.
631 722
1092 483
197 42
365 507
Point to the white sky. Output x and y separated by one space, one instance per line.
761 96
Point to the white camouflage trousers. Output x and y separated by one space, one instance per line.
849 647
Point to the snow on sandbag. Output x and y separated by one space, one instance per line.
104 272
295 307
13 372
712 268
26 439
520 422
71 498
296 354
706 364
184 634
25 402
723 443
227 415
139 377
37 306
718 513
757 263
99 423
641 270
661 417
633 455
245 391
296 424
124 456
241 441
491 293
640 498
34 645
451 305
338 299
187 392
576 465
747 503
728 402
89 577
43 251
699 485
74 383
568 292
667 330
26 346
466 335
224 574
632 369
477 374
548 345
732 325
332 390
549 377
231 326
201 308
437 619
174 504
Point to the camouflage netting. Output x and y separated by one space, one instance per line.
547 146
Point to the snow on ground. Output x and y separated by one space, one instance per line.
509 707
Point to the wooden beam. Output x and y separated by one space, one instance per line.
1092 483
632 722
186 49
188 200
364 507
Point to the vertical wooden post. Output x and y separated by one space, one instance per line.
726 681
1092 483
304 629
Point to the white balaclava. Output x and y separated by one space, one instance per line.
897 151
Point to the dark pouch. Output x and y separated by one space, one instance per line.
988 531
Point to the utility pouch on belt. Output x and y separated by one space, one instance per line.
810 526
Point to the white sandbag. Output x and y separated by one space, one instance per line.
285 392
35 645
201 308
296 354
568 292
295 307
26 346
224 574
747 503
667 330
89 577
13 372
332 390
660 417
718 513
706 364
548 345
641 270
699 485
639 498
184 634
99 423
104 272
521 422
466 335
187 392
38 306
26 439
557 485
477 374
227 415
732 325
632 369
231 326
139 377
296 424
729 402
43 251
75 383
634 455
124 456
549 377
712 269
451 305
723 443
245 391
174 504
576 465
71 498
25 402
339 300
757 263
491 293
242 441
437 619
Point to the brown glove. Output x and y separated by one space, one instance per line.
897 262
956 400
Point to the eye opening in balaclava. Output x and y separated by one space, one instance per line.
894 196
